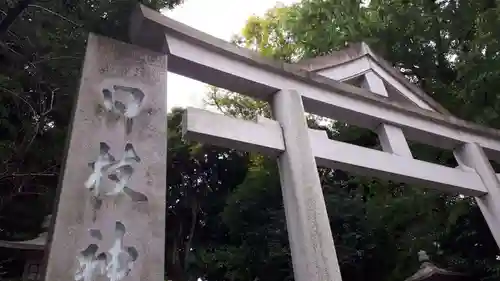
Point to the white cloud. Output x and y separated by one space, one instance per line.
220 18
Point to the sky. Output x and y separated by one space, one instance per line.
219 18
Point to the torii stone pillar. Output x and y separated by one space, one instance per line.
288 137
471 156
109 222
313 252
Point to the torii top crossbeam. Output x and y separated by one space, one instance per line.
210 60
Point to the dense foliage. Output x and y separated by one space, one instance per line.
225 218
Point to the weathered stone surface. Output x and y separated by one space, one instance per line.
111 205
311 242
359 50
471 156
214 61
265 136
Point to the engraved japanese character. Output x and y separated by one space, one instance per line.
103 162
126 101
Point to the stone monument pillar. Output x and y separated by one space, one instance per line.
109 222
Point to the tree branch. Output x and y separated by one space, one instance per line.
55 58
194 220
55 14
37 126
12 15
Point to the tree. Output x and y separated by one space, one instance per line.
379 226
225 219
199 178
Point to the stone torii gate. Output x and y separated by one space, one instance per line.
110 216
